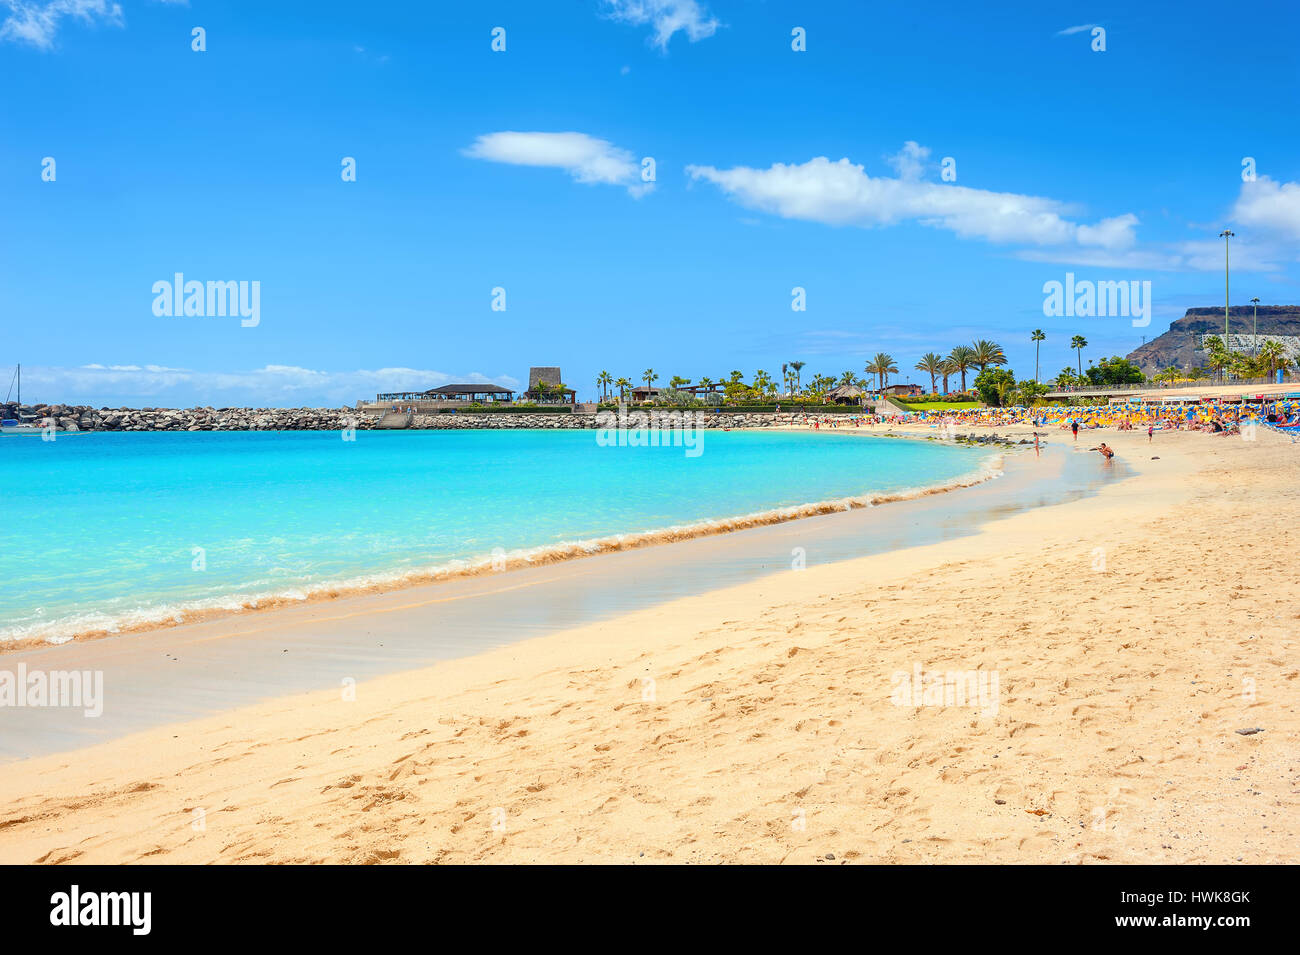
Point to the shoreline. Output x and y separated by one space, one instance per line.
772 697
382 582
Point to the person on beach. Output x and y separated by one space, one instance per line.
1151 432
1074 428
1106 452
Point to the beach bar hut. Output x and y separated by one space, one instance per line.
846 395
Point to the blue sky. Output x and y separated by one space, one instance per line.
225 165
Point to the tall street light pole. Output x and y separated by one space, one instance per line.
1226 236
1254 345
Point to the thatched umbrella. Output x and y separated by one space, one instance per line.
845 393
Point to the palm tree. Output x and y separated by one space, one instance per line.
848 378
622 385
885 366
947 368
1216 354
962 358
649 377
797 368
1079 343
872 369
985 353
604 380
1273 355
1218 360
677 381
932 365
761 381
1036 336
1240 364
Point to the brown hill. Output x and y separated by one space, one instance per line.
1181 345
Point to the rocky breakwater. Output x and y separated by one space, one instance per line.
995 439
85 418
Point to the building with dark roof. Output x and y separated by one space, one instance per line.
474 392
545 386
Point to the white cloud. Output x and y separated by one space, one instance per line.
585 158
841 193
37 23
269 386
1200 255
909 162
1113 233
1139 259
667 18
1070 31
1269 205
1266 216
1248 255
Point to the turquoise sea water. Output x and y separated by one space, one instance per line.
110 529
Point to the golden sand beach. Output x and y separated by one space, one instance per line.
1132 635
